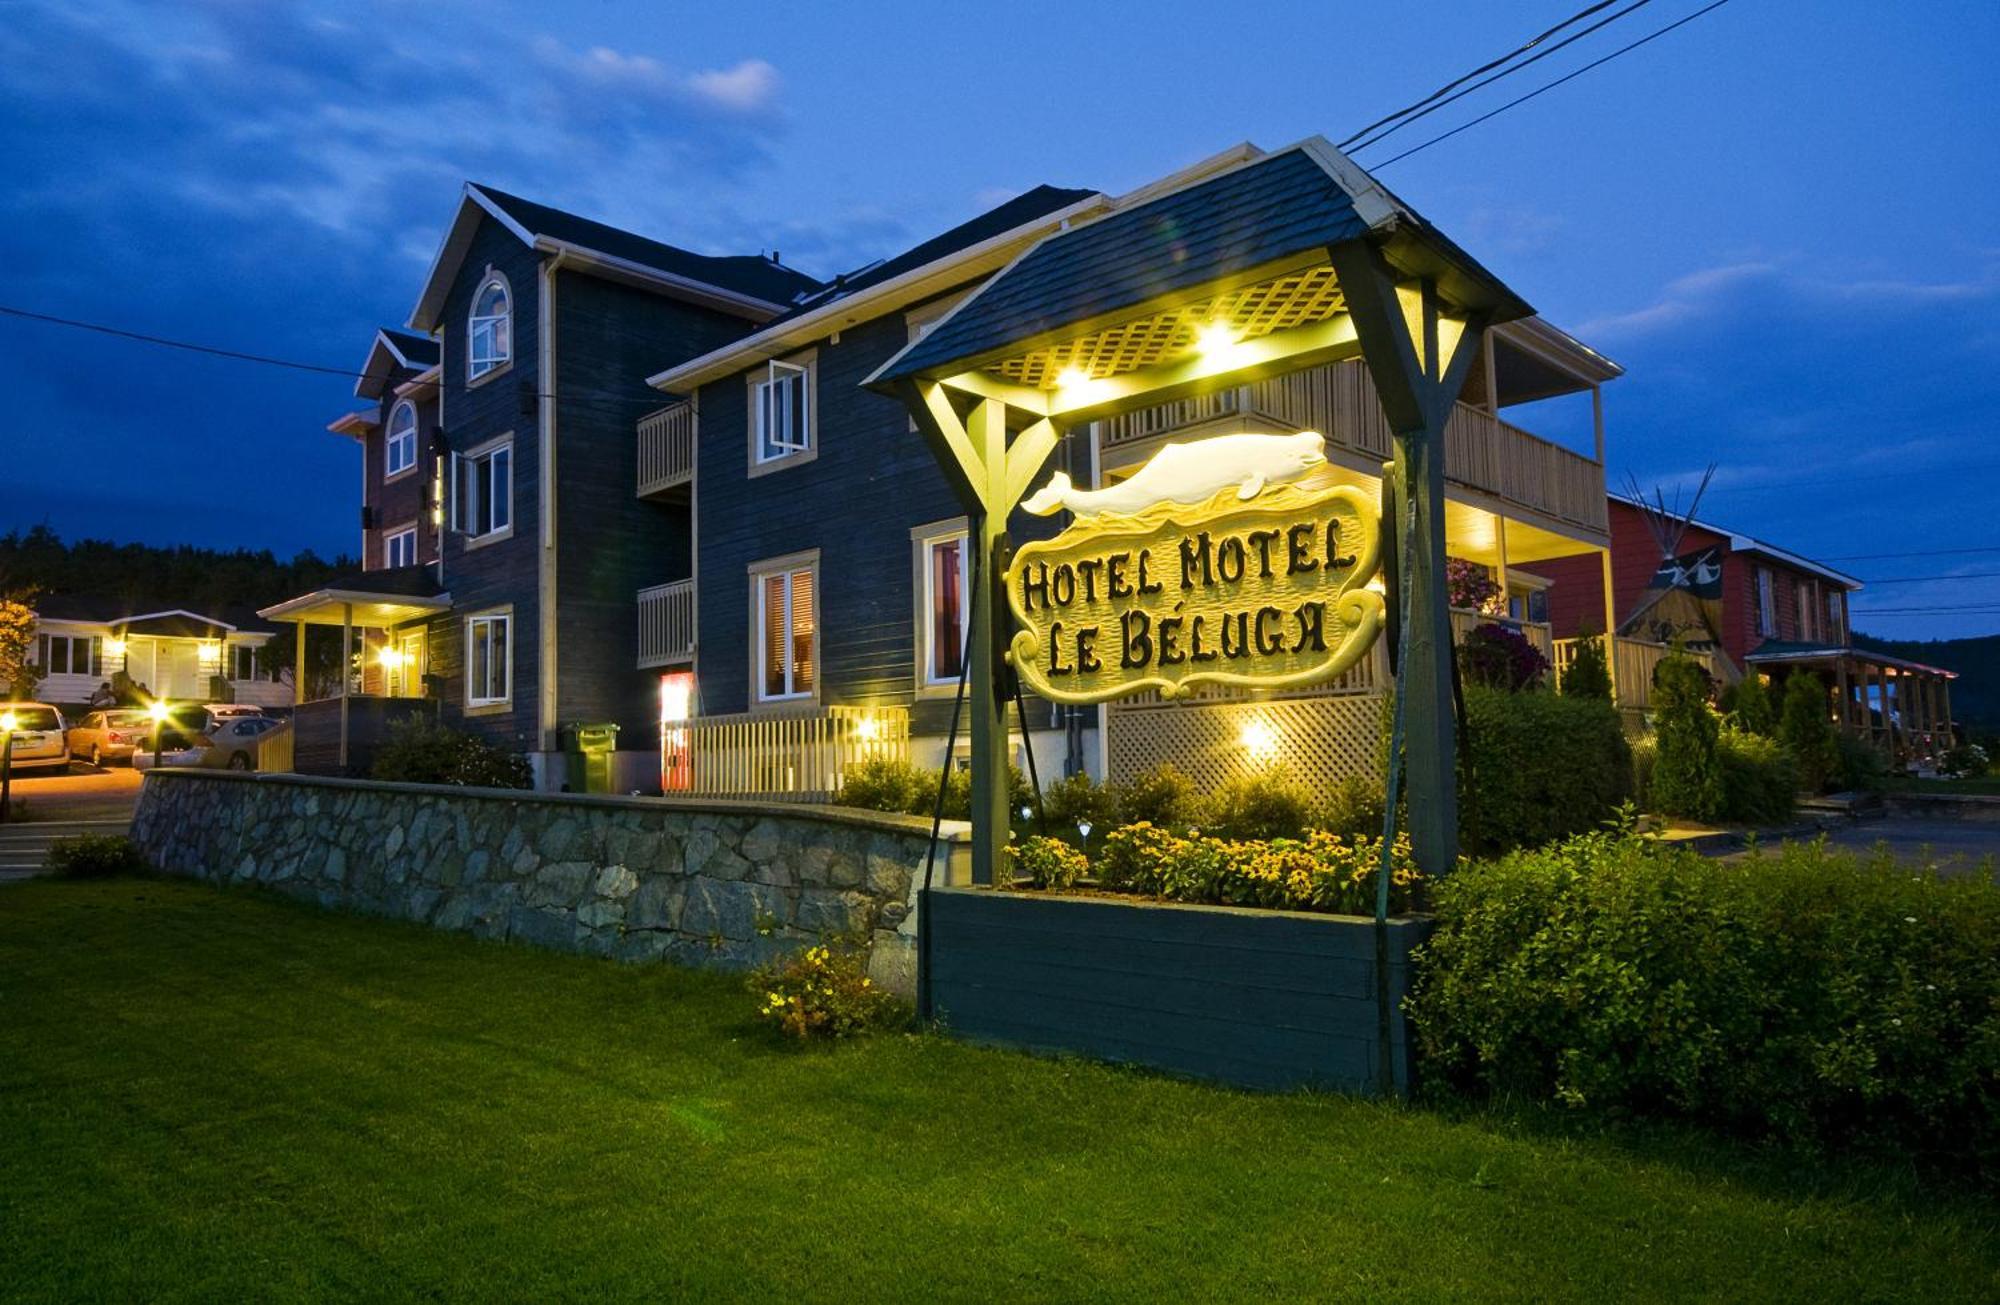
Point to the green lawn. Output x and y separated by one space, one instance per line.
211 1095
1982 786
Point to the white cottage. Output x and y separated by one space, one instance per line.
82 643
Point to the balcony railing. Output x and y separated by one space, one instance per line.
803 756
1338 400
1464 620
666 624
666 450
1633 662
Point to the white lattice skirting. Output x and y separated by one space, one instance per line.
1315 741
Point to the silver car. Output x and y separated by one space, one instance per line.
39 740
111 735
233 742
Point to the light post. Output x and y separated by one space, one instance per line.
158 711
9 722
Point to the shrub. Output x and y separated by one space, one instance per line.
1748 703
823 992
1538 766
1758 784
1501 657
1687 773
1861 767
95 856
1129 852
1265 805
1645 753
1048 862
1353 806
1320 872
1161 796
1965 761
1813 995
421 751
1587 675
1805 727
888 784
1078 800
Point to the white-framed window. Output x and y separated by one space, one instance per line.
400 450
69 654
243 662
400 548
1834 625
784 647
1767 604
489 340
782 419
943 601
489 662
482 501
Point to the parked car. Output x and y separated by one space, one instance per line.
111 735
232 710
183 737
233 743
40 742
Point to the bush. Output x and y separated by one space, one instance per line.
1805 727
421 751
1538 766
1078 800
1501 657
1965 761
823 992
1758 783
888 784
1687 772
1748 704
1320 872
1813 995
1047 862
95 856
1265 805
1861 766
1161 796
1352 807
1587 676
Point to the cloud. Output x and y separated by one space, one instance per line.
1736 288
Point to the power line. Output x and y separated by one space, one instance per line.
1933 579
1512 54
1567 77
1416 111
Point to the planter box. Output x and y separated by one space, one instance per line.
1263 999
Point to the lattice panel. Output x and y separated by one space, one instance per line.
1315 741
1253 311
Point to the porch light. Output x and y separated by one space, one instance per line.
1215 339
1260 740
114 647
9 722
391 659
867 729
1071 377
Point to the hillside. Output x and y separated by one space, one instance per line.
1975 694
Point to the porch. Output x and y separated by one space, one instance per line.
795 756
1901 707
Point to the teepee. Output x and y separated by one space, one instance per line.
1682 603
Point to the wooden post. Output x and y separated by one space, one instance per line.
346 659
1845 691
1418 386
299 663
1610 626
1597 421
987 690
1500 548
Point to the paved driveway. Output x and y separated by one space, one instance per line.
1956 846
85 801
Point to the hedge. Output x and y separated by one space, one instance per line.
1812 995
1538 766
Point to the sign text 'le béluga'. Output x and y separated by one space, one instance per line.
1208 565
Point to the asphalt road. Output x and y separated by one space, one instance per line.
1954 846
48 807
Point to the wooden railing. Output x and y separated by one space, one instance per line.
1464 620
1338 400
666 449
1633 662
666 624
796 756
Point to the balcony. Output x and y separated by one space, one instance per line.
1482 452
666 624
666 453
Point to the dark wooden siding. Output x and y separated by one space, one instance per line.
1263 999
873 479
611 544
504 572
403 501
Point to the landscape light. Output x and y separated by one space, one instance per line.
158 710
1260 740
1083 828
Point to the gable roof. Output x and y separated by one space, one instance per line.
394 351
1742 543
141 616
748 285
1286 205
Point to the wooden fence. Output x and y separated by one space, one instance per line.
796 756
1632 665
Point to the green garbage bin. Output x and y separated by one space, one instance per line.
588 749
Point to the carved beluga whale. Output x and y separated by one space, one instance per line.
1190 473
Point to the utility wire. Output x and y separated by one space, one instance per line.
1568 77
1450 86
1419 113
1934 579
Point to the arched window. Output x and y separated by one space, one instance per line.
402 444
492 328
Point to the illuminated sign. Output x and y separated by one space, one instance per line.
1210 565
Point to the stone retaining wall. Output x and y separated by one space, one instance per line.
728 884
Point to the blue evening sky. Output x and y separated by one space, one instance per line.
1781 218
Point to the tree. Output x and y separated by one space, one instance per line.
1805 727
1687 774
1749 703
17 636
1587 675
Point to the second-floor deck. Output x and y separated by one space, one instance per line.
666 452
